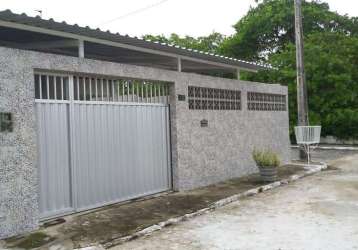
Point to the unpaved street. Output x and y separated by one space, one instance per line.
317 212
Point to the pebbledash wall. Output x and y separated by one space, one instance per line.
200 155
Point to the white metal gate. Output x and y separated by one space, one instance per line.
101 141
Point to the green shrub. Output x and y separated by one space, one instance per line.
266 158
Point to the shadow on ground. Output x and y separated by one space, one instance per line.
120 220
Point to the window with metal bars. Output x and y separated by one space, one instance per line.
266 102
100 89
51 87
119 90
213 99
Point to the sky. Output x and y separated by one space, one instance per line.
139 17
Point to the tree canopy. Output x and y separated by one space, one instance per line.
208 43
331 61
266 34
269 27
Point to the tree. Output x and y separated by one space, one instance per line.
266 33
331 61
204 43
269 27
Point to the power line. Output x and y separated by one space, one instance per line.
134 12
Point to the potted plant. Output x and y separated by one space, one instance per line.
267 162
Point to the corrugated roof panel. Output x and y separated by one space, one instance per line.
51 24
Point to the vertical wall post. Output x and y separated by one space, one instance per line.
179 64
72 140
81 49
238 74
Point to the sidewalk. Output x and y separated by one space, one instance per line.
107 226
317 212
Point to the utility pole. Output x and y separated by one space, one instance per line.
302 102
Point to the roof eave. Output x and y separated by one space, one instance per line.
36 24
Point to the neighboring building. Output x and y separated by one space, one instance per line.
90 118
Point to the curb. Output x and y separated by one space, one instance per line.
343 148
310 170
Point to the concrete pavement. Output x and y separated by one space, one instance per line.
317 212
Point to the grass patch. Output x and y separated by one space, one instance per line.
34 240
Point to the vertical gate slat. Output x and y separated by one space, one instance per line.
168 147
53 158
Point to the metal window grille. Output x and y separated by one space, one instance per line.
213 99
99 89
87 88
51 87
266 102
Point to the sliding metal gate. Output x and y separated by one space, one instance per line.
101 141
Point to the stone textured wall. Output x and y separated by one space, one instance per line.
200 156
18 172
222 150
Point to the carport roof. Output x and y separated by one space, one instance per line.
23 22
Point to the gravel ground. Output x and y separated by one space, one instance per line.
317 212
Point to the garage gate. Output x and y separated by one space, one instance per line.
101 140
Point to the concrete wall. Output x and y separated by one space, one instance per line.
200 156
223 149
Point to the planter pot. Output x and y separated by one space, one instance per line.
268 174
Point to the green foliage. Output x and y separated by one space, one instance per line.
269 27
266 33
34 240
331 62
266 158
205 43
